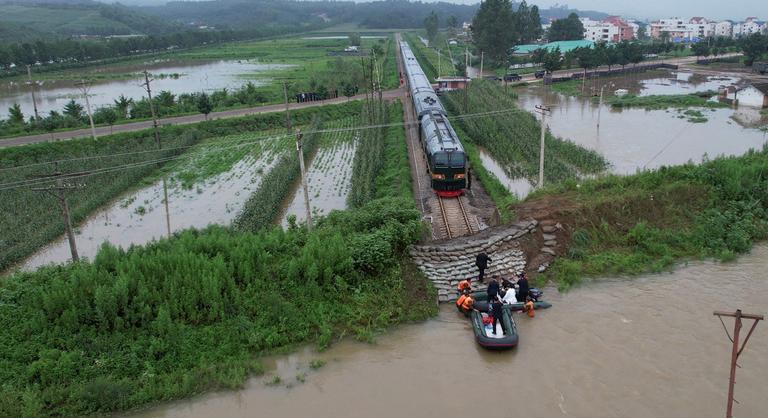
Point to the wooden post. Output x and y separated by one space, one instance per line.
736 350
543 110
307 205
287 109
32 90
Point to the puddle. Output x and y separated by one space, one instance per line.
139 217
329 177
660 82
518 186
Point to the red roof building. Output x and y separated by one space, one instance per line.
625 32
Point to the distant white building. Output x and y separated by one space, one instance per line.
749 26
681 30
635 28
610 29
724 28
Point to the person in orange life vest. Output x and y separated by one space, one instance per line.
464 295
465 284
468 303
528 307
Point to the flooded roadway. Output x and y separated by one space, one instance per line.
644 347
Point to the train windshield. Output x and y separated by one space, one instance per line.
441 159
457 159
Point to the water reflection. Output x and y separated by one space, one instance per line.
193 76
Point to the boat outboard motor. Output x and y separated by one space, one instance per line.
535 294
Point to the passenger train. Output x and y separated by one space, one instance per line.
447 163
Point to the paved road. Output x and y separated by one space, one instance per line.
182 120
530 78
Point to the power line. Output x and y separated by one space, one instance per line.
254 139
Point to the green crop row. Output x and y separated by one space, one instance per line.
513 137
369 156
263 207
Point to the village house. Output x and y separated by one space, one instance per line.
752 95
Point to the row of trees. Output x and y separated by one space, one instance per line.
496 27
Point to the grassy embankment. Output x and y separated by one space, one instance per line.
33 219
429 59
649 221
196 311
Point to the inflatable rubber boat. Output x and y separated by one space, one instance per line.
506 332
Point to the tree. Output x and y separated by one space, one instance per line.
642 33
354 39
122 104
566 29
700 49
15 115
204 104
453 23
106 115
753 47
431 23
73 110
553 60
491 29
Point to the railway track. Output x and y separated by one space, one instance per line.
456 220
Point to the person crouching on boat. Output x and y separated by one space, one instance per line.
496 312
465 284
528 307
493 289
508 296
462 298
468 304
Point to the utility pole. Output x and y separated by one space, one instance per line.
85 87
307 204
287 109
736 351
159 146
543 110
600 107
482 56
32 90
59 192
439 64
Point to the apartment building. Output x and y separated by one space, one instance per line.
610 29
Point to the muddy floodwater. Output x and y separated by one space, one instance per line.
139 217
644 347
175 76
634 138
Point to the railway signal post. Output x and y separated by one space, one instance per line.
736 351
543 110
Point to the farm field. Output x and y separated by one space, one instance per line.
329 173
429 59
117 164
512 138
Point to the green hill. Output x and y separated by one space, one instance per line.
62 19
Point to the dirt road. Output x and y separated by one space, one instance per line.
181 120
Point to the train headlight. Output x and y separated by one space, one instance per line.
438 176
459 176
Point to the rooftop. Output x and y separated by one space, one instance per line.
565 46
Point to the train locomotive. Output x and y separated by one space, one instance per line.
446 160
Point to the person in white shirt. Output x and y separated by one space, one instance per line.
508 297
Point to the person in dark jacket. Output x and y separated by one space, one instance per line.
523 288
493 290
481 261
496 312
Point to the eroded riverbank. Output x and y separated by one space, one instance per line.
643 347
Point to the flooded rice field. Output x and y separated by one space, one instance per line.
111 81
660 82
644 348
518 186
139 216
634 139
329 175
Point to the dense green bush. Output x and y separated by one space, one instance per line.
193 312
647 221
